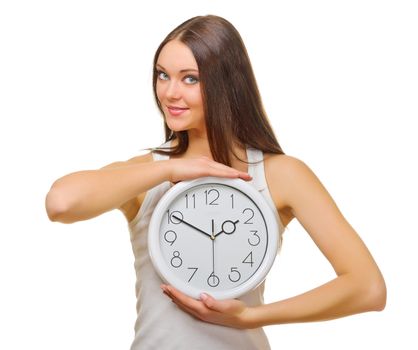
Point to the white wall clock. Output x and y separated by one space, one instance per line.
213 235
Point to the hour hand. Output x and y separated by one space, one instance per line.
228 227
188 224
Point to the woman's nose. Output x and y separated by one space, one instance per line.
173 90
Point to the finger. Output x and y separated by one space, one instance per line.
235 173
213 304
166 290
222 170
194 307
230 306
245 176
187 309
181 298
184 299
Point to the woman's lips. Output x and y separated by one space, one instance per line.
176 111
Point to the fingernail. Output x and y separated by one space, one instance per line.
203 296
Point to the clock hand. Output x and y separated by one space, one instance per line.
213 246
188 224
213 262
228 232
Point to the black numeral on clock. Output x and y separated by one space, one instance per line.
249 259
234 276
191 201
212 196
251 214
170 237
254 240
194 272
213 280
174 217
176 261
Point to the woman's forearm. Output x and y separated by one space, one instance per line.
86 194
340 297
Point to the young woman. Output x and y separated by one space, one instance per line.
215 125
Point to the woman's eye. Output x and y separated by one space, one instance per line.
191 79
162 75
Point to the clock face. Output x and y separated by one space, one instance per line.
213 235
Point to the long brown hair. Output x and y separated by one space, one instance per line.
232 104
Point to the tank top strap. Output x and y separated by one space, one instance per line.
256 168
158 156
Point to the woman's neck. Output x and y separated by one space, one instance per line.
199 146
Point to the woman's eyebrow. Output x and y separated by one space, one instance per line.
181 71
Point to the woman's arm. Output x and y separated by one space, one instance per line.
358 287
85 194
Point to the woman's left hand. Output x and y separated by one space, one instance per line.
231 313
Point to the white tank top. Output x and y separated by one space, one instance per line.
160 324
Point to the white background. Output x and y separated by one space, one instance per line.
339 82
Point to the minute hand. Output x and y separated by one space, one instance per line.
198 229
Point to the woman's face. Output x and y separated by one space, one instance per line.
178 88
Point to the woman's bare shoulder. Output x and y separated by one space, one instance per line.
281 158
284 173
283 165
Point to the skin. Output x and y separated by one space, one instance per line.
296 191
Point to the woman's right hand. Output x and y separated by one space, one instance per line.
189 169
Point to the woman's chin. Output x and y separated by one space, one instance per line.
176 127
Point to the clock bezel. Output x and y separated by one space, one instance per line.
252 282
